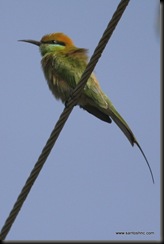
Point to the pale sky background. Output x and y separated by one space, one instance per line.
94 183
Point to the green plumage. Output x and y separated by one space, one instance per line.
63 65
63 71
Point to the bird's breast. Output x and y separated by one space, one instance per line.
59 87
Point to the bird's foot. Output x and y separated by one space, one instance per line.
69 101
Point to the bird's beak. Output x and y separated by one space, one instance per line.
31 41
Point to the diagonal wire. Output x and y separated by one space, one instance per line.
63 118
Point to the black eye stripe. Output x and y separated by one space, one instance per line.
54 42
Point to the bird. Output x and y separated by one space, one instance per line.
63 65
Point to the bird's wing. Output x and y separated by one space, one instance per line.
96 112
94 92
69 69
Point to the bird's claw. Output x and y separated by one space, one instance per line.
67 102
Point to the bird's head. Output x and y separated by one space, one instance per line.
52 42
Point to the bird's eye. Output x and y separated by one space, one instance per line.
50 42
59 43
55 42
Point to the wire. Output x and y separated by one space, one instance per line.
63 118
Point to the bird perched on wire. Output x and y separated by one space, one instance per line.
63 65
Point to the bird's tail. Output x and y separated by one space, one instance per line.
117 118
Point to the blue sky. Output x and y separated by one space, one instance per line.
94 183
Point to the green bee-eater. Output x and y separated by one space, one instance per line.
63 64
